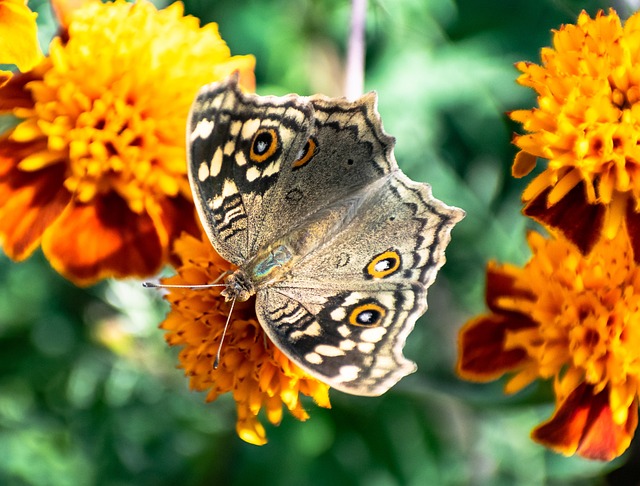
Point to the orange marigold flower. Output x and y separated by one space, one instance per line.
18 37
252 368
573 319
95 172
587 124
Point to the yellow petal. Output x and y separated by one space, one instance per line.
18 35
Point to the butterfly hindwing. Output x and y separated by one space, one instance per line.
379 264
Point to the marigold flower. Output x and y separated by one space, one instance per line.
252 368
18 37
573 319
587 124
95 172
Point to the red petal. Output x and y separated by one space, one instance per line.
178 215
578 221
584 424
501 283
14 94
633 228
481 353
103 239
29 203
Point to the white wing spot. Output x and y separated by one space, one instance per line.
252 174
349 372
250 127
313 358
373 335
272 168
313 329
326 350
234 128
343 330
338 314
366 348
202 130
203 171
347 345
228 189
216 163
229 147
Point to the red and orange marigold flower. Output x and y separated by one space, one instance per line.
573 319
95 170
257 373
587 125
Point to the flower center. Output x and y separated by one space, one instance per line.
588 311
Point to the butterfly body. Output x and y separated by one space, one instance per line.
304 195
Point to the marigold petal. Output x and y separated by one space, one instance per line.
14 94
577 220
104 239
563 186
481 352
5 77
632 221
523 164
251 431
615 215
521 379
502 281
537 186
29 203
39 160
18 35
64 9
583 424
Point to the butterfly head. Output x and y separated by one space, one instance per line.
238 286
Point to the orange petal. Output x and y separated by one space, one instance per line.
104 239
29 203
63 9
584 424
577 220
481 353
18 35
523 163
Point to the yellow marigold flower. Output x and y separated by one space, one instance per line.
18 37
252 368
587 124
574 319
95 172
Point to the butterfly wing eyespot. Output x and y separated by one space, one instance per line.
264 145
367 315
307 153
384 264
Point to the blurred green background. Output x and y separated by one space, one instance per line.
90 394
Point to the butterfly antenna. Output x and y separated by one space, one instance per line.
151 285
216 362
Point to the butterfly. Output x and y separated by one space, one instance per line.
338 245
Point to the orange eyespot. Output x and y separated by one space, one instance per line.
264 145
383 265
307 153
367 315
